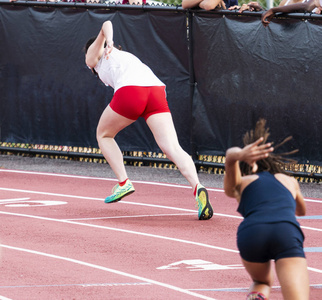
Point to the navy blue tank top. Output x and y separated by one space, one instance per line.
266 200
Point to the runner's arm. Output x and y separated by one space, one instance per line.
249 154
96 50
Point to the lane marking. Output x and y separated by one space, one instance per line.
104 179
13 200
278 287
102 199
115 284
25 202
311 228
317 200
133 216
314 270
49 194
130 231
135 232
199 265
165 285
131 203
122 230
227 289
311 200
33 203
310 218
75 284
313 249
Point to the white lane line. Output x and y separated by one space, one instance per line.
13 200
122 230
4 298
131 203
314 270
105 179
115 180
245 289
133 216
311 228
311 200
101 199
165 285
74 284
49 194
55 174
147 216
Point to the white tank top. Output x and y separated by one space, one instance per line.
124 69
288 1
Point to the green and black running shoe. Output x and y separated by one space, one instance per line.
118 192
205 211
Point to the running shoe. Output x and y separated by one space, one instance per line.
118 192
205 211
255 296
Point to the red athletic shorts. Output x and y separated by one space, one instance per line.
133 102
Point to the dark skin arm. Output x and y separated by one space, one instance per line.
250 154
297 7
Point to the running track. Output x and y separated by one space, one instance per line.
59 240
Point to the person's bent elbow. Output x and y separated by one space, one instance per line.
189 4
207 6
186 5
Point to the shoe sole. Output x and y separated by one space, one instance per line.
207 212
118 199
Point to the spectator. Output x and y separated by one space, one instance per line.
209 4
135 2
268 200
255 6
309 6
251 6
77 1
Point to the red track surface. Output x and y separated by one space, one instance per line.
148 246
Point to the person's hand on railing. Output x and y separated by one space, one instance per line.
251 6
267 17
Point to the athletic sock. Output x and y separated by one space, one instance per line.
123 182
195 191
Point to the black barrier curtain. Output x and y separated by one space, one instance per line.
244 71
48 95
241 70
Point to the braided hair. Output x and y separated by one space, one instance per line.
274 163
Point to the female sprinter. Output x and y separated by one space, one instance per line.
137 93
268 200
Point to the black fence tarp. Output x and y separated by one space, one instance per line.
48 95
239 71
244 71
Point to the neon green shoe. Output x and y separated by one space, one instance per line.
118 192
205 210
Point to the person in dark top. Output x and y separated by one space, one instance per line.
314 6
268 200
307 6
